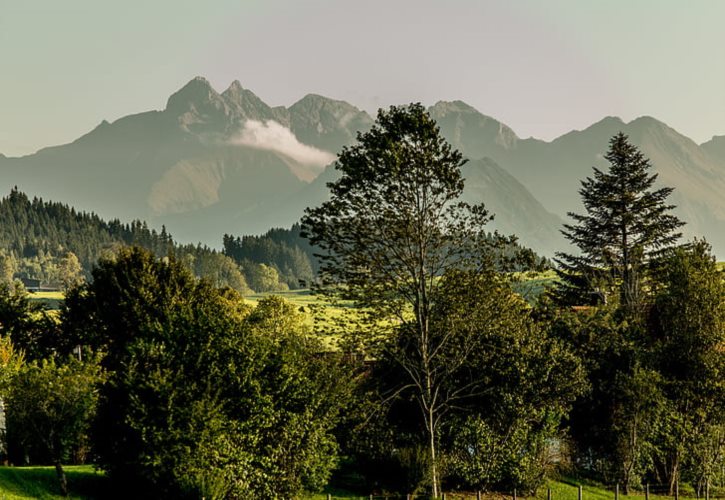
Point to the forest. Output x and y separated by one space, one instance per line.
53 243
437 377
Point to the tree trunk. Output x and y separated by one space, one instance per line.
433 469
675 473
62 481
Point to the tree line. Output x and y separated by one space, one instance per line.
436 375
54 243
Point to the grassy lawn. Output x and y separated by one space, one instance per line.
322 317
531 285
50 299
567 489
85 483
560 490
21 483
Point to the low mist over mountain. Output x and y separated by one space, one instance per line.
213 163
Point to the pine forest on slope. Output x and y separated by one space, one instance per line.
57 245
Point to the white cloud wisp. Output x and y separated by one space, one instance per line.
272 136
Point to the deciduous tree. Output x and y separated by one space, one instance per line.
392 227
50 406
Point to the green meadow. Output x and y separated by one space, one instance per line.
23 483
51 300
85 483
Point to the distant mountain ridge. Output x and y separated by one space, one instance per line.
715 147
552 171
212 163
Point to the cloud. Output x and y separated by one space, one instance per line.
272 136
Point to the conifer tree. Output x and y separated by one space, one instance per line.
627 225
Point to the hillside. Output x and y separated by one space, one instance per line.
36 228
200 166
214 163
56 244
552 171
715 147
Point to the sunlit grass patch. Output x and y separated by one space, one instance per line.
23 483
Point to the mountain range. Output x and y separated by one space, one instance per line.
212 163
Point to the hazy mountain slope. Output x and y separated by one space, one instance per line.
326 123
212 163
191 165
552 171
715 147
516 210
471 132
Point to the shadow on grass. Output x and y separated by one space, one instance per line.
84 483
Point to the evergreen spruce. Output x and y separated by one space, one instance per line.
627 225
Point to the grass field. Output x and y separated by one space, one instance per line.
85 483
22 483
50 299
565 489
531 285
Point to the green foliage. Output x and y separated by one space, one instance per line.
49 407
392 231
284 249
206 396
27 323
8 267
33 230
11 361
612 424
689 322
215 267
263 278
514 384
509 383
57 245
626 225
654 411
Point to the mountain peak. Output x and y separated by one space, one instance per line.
245 104
316 102
715 147
610 120
235 86
443 107
330 112
462 122
313 98
236 93
647 121
197 91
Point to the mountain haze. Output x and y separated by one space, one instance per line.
188 161
552 171
715 147
212 163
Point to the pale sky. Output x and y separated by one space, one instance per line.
543 67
